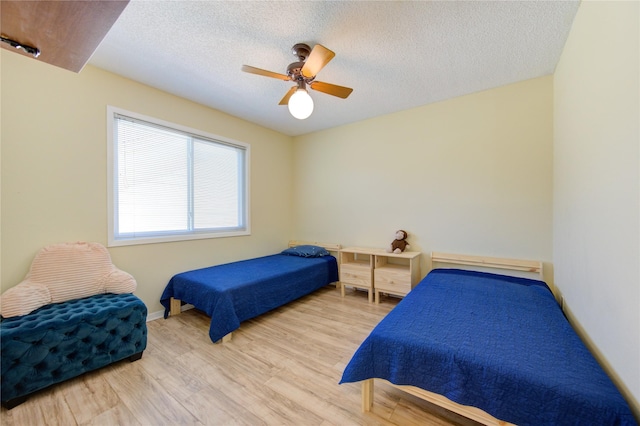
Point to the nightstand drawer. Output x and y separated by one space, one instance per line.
355 276
392 281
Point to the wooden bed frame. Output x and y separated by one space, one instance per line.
175 307
472 413
533 266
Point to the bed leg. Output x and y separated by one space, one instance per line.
174 307
341 284
367 395
226 338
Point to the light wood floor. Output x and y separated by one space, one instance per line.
282 368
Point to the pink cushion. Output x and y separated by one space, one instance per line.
62 272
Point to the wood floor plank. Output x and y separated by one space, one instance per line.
249 391
214 406
145 397
282 368
48 408
87 396
116 416
312 400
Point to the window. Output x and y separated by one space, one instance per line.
170 183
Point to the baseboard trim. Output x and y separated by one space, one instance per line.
160 314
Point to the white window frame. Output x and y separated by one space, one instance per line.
112 184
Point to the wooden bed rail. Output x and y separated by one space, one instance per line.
533 266
467 411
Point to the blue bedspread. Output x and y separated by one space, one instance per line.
238 291
498 343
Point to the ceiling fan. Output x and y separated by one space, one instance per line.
303 73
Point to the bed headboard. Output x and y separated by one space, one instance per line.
327 246
533 266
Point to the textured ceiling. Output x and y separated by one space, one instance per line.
395 55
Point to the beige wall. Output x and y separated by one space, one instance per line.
469 175
54 172
597 182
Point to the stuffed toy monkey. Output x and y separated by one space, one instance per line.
400 244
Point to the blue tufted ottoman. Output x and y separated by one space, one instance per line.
64 340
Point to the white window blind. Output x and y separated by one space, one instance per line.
172 184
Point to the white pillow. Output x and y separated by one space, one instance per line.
62 272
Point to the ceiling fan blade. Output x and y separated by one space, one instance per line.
285 100
318 58
331 89
254 70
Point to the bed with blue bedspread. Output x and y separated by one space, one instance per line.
491 341
235 292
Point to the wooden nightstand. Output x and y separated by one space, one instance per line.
395 273
356 269
378 271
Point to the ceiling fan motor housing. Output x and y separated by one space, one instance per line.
301 50
294 70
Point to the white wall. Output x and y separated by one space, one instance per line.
54 172
597 183
469 175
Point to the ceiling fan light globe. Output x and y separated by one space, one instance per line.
300 104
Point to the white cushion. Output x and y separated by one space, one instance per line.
62 272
